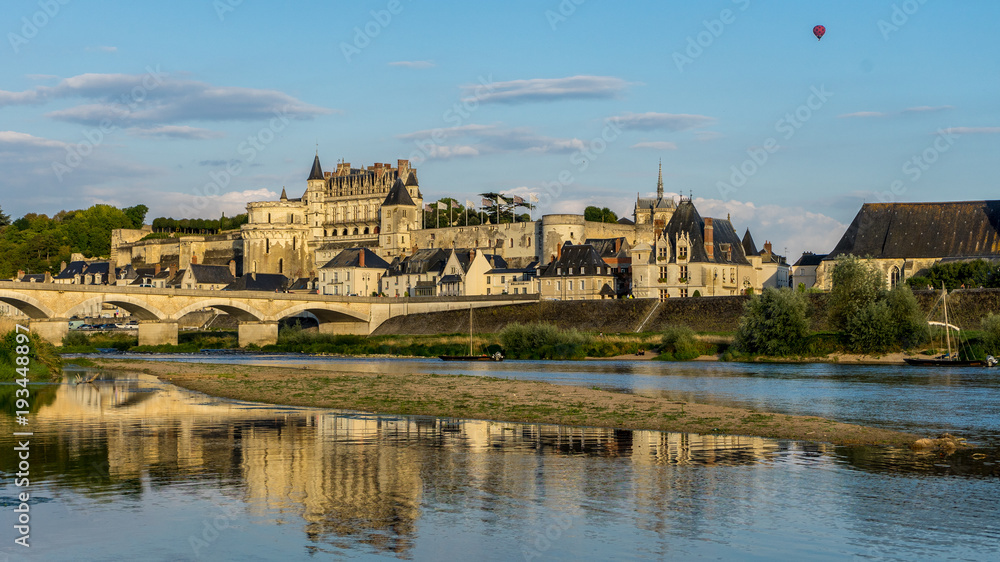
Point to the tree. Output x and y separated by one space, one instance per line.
136 214
4 218
856 284
773 323
975 273
595 214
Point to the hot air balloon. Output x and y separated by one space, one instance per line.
819 31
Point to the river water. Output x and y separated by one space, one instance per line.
130 468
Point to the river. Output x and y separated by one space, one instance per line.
131 468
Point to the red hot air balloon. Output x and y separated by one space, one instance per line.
819 31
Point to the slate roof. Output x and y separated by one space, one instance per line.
398 195
687 219
607 291
411 181
451 279
304 284
33 278
809 258
626 221
351 257
582 258
317 171
74 268
606 246
960 229
211 274
269 282
654 203
177 277
749 248
98 268
430 260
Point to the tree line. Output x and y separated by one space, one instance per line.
168 225
37 243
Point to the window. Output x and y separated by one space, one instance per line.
732 274
511 242
684 292
664 295
558 286
488 280
267 245
893 277
336 277
558 271
581 285
683 272
571 271
682 252
487 290
663 273
503 279
569 285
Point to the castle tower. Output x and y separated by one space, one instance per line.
659 183
399 215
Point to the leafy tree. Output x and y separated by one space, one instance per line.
906 321
136 214
856 284
971 274
596 214
773 323
4 218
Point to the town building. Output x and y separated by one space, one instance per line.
579 273
692 256
772 269
354 271
906 239
804 270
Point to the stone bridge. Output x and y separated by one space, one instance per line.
50 306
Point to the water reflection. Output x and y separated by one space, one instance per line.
347 480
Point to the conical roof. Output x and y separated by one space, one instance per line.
412 180
749 248
398 195
317 170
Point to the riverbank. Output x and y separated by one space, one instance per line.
490 398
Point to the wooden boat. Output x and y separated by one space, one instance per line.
949 359
495 356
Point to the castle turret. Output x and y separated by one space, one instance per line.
399 215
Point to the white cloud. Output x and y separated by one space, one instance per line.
547 89
416 64
671 122
13 140
656 145
156 98
488 139
862 114
973 130
927 108
175 132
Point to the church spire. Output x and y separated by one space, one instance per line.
659 183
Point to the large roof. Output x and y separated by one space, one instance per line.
687 219
958 229
422 261
211 274
398 195
809 258
578 258
351 257
270 282
749 248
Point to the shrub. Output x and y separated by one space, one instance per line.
906 321
44 362
773 323
679 344
542 341
991 333
856 284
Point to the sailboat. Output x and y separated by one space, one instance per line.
950 359
496 356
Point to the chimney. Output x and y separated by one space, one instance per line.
404 167
618 245
361 258
194 260
20 274
709 239
156 269
559 253
232 267
767 247
62 266
472 255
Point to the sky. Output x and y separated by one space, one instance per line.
196 107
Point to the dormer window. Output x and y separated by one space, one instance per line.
682 252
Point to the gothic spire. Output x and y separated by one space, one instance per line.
659 183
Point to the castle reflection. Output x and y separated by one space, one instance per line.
343 477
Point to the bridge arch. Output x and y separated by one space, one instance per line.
138 308
237 310
30 306
324 312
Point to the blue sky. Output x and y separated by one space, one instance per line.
576 100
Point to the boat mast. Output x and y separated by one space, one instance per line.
470 329
947 333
